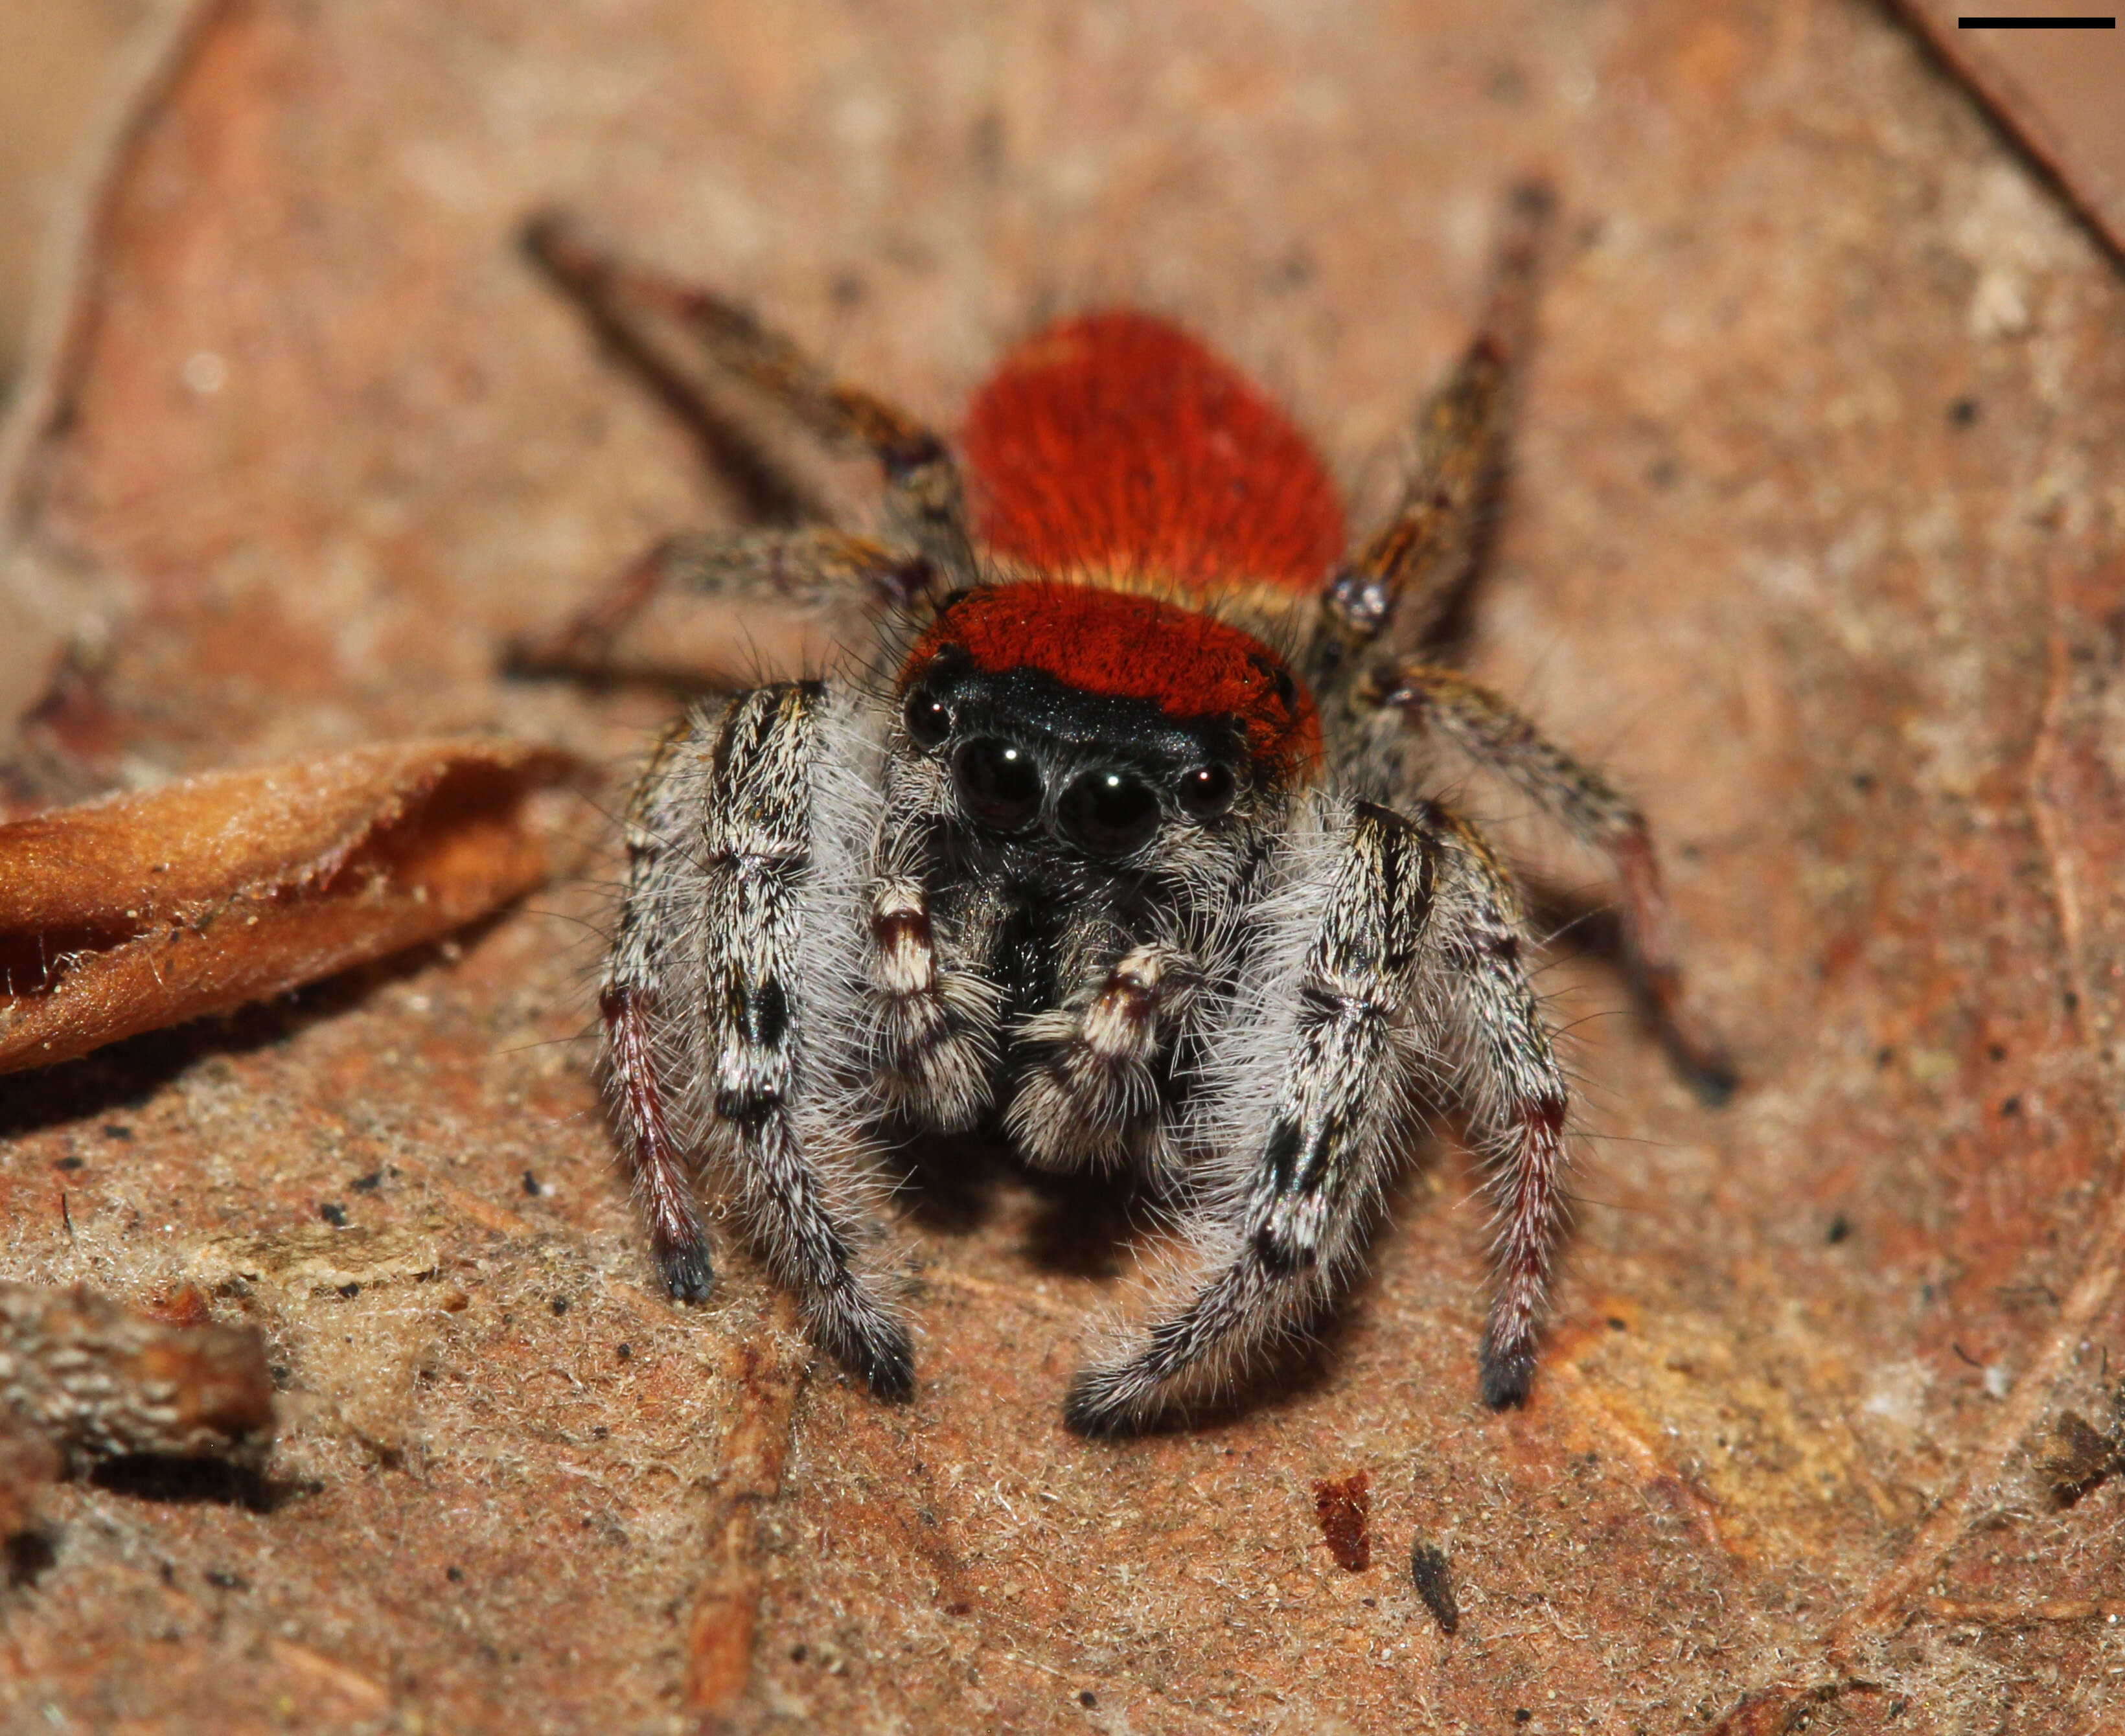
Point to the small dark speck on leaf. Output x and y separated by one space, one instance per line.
116 1130
1998 1051
455 1575
599 1432
1344 1507
1618 1323
2011 1106
350 1291
1521 1715
958 1609
1434 1584
67 1163
222 1580
1840 1227
1963 412
798 1654
560 1304
1086 1697
1863 782
1883 1057
368 1183
531 1187
333 1213
624 1352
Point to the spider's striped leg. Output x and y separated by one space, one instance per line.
1092 1093
749 1011
925 495
1406 574
1418 944
1494 735
813 570
1329 1020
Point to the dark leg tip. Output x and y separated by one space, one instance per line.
689 1272
1705 1068
1090 1410
886 1362
1506 1379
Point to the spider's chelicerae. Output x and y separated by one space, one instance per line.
1125 848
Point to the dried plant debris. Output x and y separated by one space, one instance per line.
97 1381
1435 1584
317 1257
1344 1508
28 1462
2084 1457
136 912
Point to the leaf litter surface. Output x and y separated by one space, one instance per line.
1817 536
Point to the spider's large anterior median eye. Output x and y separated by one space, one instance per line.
926 718
1206 792
998 783
1108 813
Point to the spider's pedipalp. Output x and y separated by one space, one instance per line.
1094 1093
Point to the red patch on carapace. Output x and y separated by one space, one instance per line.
1115 442
1129 646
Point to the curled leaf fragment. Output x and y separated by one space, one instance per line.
134 912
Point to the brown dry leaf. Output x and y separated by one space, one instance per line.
1816 537
137 912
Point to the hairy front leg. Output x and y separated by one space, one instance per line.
796 1175
1342 1089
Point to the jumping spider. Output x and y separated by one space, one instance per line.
1124 849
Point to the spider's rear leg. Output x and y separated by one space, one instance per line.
1280 1245
1494 735
925 497
1408 573
1093 1094
848 580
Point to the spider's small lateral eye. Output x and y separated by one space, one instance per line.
1108 813
998 784
926 718
1206 792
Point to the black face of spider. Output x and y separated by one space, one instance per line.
1041 768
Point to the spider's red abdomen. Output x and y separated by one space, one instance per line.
1127 646
1114 445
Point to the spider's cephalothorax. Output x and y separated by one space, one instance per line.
1122 847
